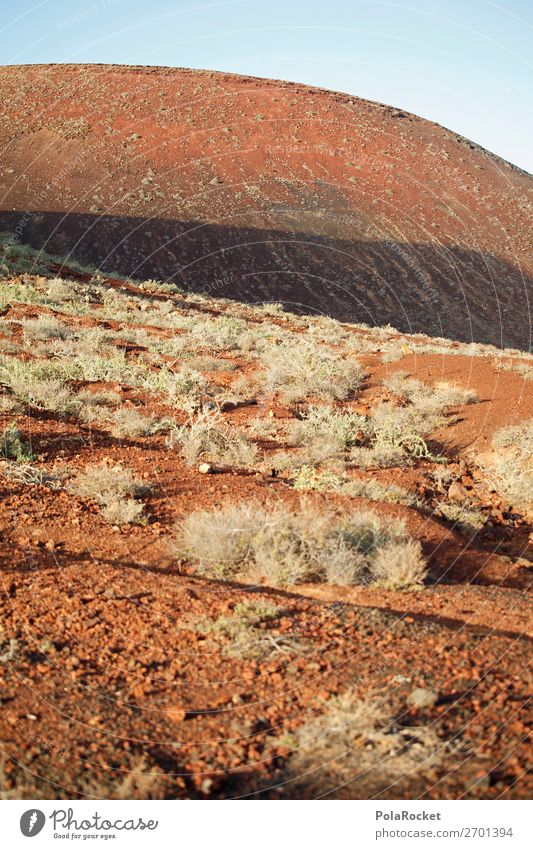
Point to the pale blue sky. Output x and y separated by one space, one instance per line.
466 64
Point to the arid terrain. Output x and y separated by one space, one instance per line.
264 190
267 433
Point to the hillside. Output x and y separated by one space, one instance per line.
261 190
249 553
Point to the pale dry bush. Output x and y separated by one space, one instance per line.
358 740
298 371
327 432
391 356
310 479
115 489
93 407
284 545
510 464
520 368
44 328
127 421
469 518
429 398
209 438
185 389
393 437
399 565
38 384
61 290
247 633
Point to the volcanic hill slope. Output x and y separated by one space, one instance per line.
263 190
250 553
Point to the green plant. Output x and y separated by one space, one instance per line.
13 446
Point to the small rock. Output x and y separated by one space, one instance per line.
206 786
176 714
422 698
458 493
205 469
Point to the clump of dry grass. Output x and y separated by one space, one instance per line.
358 739
289 546
38 384
93 407
430 398
45 328
520 368
30 475
393 437
299 371
327 432
186 388
126 421
510 464
310 479
248 633
115 489
466 517
209 438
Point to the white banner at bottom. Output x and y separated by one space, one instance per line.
268 824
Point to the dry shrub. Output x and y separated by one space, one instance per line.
45 328
248 633
311 479
510 463
282 545
94 406
466 517
38 384
327 432
209 438
303 370
430 398
399 565
115 489
129 422
358 740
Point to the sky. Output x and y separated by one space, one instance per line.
466 64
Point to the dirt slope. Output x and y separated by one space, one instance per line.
258 189
116 678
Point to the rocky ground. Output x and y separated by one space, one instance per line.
119 673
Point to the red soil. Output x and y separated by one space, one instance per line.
125 682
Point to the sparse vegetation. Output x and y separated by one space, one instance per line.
309 479
469 518
209 438
510 464
289 546
115 489
13 447
305 370
357 739
126 421
249 632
